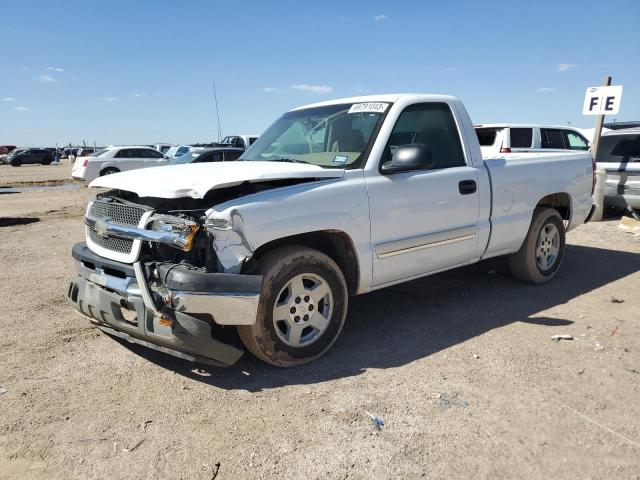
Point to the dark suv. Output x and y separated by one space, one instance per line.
30 155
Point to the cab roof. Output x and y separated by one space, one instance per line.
522 125
389 98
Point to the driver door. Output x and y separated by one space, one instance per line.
424 220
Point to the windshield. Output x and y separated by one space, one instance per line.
186 158
171 152
16 152
334 136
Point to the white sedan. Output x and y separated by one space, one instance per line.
116 159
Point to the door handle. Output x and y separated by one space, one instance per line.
467 187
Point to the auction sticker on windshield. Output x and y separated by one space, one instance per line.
372 107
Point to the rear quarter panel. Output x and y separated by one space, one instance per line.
519 182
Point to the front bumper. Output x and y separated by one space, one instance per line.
174 311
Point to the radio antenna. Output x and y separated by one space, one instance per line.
215 97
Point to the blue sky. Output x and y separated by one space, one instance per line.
141 72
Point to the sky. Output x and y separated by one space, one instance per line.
141 72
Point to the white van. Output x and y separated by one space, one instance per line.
507 138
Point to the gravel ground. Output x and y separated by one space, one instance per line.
460 366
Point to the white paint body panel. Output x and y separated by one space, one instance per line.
375 209
196 179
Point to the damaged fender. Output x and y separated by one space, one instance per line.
225 230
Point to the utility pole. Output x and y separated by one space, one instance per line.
601 175
215 97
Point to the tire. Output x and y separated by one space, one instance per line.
16 164
542 252
294 339
108 171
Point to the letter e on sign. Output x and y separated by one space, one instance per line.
602 100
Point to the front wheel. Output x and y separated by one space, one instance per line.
302 307
541 254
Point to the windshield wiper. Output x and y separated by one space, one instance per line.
289 160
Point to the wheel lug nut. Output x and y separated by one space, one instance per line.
296 319
293 310
306 317
310 308
297 299
306 298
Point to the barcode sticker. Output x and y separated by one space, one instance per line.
372 107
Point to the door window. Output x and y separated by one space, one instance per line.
521 137
552 138
575 141
231 155
126 153
150 153
430 124
209 157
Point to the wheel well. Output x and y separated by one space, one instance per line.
560 201
102 170
334 243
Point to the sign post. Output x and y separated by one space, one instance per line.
600 101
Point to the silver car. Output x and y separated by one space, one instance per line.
619 156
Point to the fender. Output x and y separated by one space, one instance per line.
240 226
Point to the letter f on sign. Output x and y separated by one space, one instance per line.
593 102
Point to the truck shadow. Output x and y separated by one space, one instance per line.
401 324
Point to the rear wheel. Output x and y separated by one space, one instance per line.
108 171
541 254
302 307
16 163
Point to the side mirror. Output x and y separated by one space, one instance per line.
409 157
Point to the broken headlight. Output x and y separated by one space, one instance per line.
177 232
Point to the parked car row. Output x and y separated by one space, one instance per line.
618 153
131 157
496 139
25 156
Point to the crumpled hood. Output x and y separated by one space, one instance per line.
196 179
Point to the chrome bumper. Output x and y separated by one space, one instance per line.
173 308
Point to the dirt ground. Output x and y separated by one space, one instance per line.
460 366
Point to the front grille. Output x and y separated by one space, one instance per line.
117 213
120 245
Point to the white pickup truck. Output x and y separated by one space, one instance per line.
335 199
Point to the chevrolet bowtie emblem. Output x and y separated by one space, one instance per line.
101 227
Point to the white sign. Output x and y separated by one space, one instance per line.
373 107
602 100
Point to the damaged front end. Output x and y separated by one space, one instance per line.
165 274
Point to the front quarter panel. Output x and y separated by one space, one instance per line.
245 224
